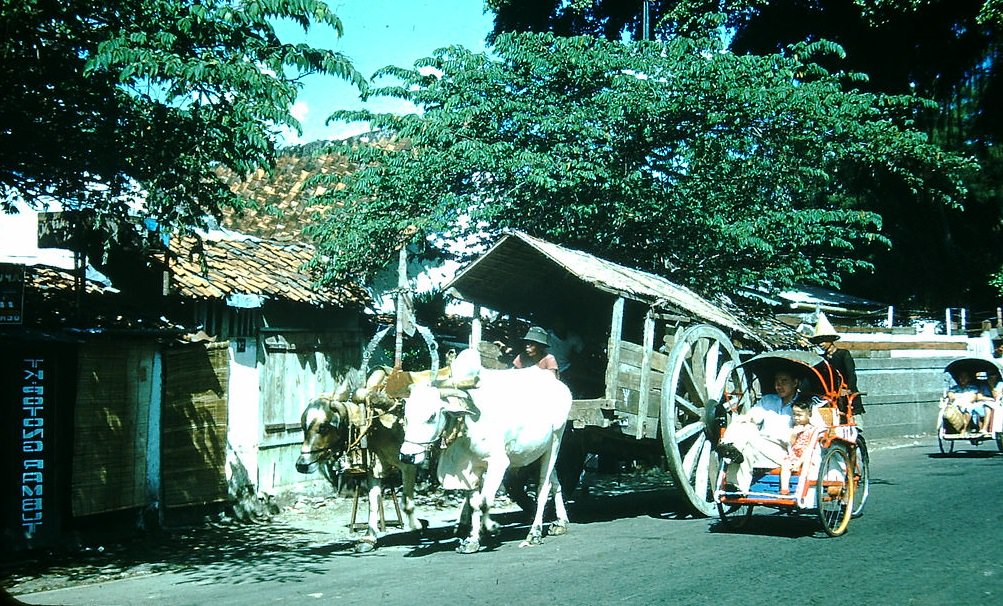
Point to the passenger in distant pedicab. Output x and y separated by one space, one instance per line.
995 384
967 395
534 352
761 437
825 336
800 437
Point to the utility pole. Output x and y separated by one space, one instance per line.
645 26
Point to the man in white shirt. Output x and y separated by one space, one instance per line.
761 437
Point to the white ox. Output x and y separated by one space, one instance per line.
516 417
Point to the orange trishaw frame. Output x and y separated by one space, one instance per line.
822 486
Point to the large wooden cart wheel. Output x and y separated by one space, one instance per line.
700 375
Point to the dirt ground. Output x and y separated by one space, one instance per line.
321 521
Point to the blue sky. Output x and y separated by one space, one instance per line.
379 33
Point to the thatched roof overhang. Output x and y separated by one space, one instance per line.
528 277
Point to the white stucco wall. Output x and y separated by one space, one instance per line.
243 410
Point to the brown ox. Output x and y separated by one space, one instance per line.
368 417
333 424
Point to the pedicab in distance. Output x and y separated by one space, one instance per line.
833 482
950 421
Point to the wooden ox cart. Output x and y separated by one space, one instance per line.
660 352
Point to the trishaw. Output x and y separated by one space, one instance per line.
832 481
950 416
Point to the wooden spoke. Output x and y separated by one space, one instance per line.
701 371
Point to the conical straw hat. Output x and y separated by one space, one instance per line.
824 330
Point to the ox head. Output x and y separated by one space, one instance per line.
325 433
427 412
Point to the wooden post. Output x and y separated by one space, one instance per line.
475 328
613 349
947 321
401 286
891 317
963 323
646 355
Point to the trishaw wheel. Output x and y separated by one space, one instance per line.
861 477
701 368
999 441
946 446
734 516
833 493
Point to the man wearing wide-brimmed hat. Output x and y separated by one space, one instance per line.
825 336
534 351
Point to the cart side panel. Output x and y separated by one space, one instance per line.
638 418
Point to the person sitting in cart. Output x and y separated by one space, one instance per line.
800 437
967 395
534 352
761 437
995 384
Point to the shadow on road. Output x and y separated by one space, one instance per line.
236 553
775 524
231 553
964 454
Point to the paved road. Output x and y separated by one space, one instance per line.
929 535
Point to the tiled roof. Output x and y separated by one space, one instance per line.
54 281
217 269
281 198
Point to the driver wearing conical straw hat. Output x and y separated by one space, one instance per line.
825 336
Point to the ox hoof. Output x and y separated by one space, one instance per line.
365 546
468 547
558 528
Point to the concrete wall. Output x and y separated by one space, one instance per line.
902 393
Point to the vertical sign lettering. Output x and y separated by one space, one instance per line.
32 445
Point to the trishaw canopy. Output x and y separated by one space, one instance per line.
973 365
821 376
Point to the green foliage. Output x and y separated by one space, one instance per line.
944 50
117 102
716 170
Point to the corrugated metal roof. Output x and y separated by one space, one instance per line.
509 276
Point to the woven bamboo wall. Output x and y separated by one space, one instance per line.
194 424
111 427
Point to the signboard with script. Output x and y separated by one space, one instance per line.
11 293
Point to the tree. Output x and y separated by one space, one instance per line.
112 103
717 170
944 50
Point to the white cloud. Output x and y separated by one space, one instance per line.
299 110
